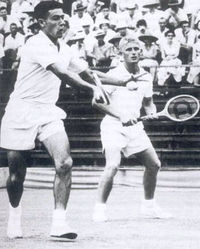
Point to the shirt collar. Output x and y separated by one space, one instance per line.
44 36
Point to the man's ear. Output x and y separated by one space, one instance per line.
41 22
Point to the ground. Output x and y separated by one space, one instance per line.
124 230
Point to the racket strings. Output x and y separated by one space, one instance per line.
182 108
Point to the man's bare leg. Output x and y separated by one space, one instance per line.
113 158
59 149
17 172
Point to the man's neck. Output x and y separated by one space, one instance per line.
132 68
54 40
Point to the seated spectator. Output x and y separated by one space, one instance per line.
141 28
100 53
131 15
149 53
89 41
80 17
160 33
153 15
197 29
170 49
186 36
94 7
115 53
78 47
13 42
174 14
193 76
122 29
19 7
78 2
6 20
106 14
105 26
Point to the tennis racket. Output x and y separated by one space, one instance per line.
99 85
179 108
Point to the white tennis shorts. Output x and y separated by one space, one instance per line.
23 122
130 140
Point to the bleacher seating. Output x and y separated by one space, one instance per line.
177 144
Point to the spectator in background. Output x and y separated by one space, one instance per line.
19 7
170 49
186 36
78 48
193 76
122 29
13 42
80 17
6 20
160 32
106 14
197 29
141 27
115 53
153 15
100 53
174 14
78 2
149 54
131 15
105 26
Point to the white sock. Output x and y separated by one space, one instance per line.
101 206
59 215
15 211
148 203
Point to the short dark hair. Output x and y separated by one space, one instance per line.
141 22
41 9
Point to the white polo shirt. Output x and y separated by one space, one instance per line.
34 82
124 100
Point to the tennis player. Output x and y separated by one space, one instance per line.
116 136
31 114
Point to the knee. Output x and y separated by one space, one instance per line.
63 167
155 166
110 171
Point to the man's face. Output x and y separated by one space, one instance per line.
3 12
105 12
54 24
162 23
13 29
80 13
185 27
131 52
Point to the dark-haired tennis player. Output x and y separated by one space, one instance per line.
126 103
32 113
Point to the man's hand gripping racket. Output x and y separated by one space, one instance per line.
179 108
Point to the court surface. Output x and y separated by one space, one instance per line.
124 230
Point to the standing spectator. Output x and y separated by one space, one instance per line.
186 36
170 49
141 27
80 17
174 14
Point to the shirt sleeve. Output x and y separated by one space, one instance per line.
77 65
44 54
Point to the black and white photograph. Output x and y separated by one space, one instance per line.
99 124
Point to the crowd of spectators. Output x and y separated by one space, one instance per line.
170 36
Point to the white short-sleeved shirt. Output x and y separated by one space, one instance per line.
34 82
124 100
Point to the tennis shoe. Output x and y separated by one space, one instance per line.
149 209
62 231
14 229
99 214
